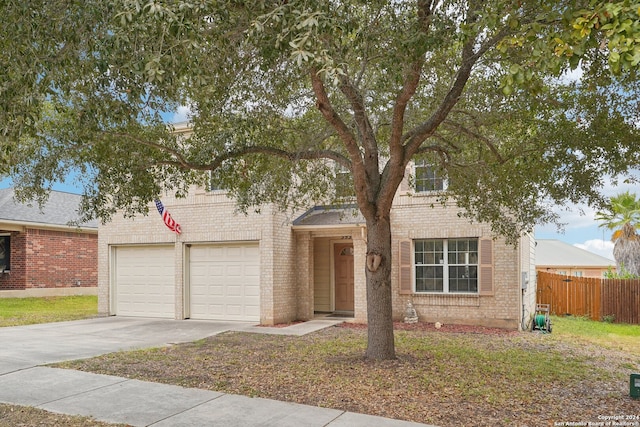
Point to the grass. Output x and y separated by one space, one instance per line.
27 311
610 335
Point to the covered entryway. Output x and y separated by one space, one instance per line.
225 282
329 243
143 281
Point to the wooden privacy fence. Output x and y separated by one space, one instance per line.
618 299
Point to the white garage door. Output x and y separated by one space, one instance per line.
225 282
145 281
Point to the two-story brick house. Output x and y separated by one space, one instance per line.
275 267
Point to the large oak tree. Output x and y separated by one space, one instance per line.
280 90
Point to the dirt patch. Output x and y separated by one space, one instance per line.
444 328
452 376
23 416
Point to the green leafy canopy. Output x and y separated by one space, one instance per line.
279 90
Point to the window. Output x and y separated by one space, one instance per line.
214 182
446 266
427 177
577 273
5 252
343 182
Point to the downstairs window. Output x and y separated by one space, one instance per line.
446 265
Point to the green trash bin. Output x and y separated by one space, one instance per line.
634 386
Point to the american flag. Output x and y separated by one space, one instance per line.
166 217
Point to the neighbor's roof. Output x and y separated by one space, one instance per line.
553 252
60 210
331 216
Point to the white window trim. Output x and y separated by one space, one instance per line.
445 268
423 163
209 188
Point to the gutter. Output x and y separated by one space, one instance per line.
22 226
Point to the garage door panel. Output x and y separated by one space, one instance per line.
225 282
144 281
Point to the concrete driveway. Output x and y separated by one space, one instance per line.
22 347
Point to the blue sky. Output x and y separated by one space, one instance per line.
581 228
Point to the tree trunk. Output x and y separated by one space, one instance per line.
380 344
626 251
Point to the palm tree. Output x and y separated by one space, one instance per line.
623 216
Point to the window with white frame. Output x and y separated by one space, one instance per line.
427 177
343 182
446 265
5 253
214 182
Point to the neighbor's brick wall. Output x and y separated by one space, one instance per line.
415 218
58 259
52 259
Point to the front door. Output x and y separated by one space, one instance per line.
343 267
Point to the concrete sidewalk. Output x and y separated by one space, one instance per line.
142 403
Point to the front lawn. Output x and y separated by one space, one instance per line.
448 377
27 311
611 335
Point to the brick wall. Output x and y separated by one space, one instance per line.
423 217
288 265
59 259
210 217
52 259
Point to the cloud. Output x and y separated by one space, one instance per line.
581 216
570 76
183 114
597 246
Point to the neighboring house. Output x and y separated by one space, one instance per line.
41 253
275 267
554 256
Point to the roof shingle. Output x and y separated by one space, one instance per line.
60 209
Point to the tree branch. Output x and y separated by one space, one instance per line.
409 87
369 143
357 165
420 133
181 162
487 141
394 169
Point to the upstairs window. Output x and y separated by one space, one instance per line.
427 177
214 183
343 182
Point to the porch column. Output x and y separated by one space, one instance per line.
359 278
304 275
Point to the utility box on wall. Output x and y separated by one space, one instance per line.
634 386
